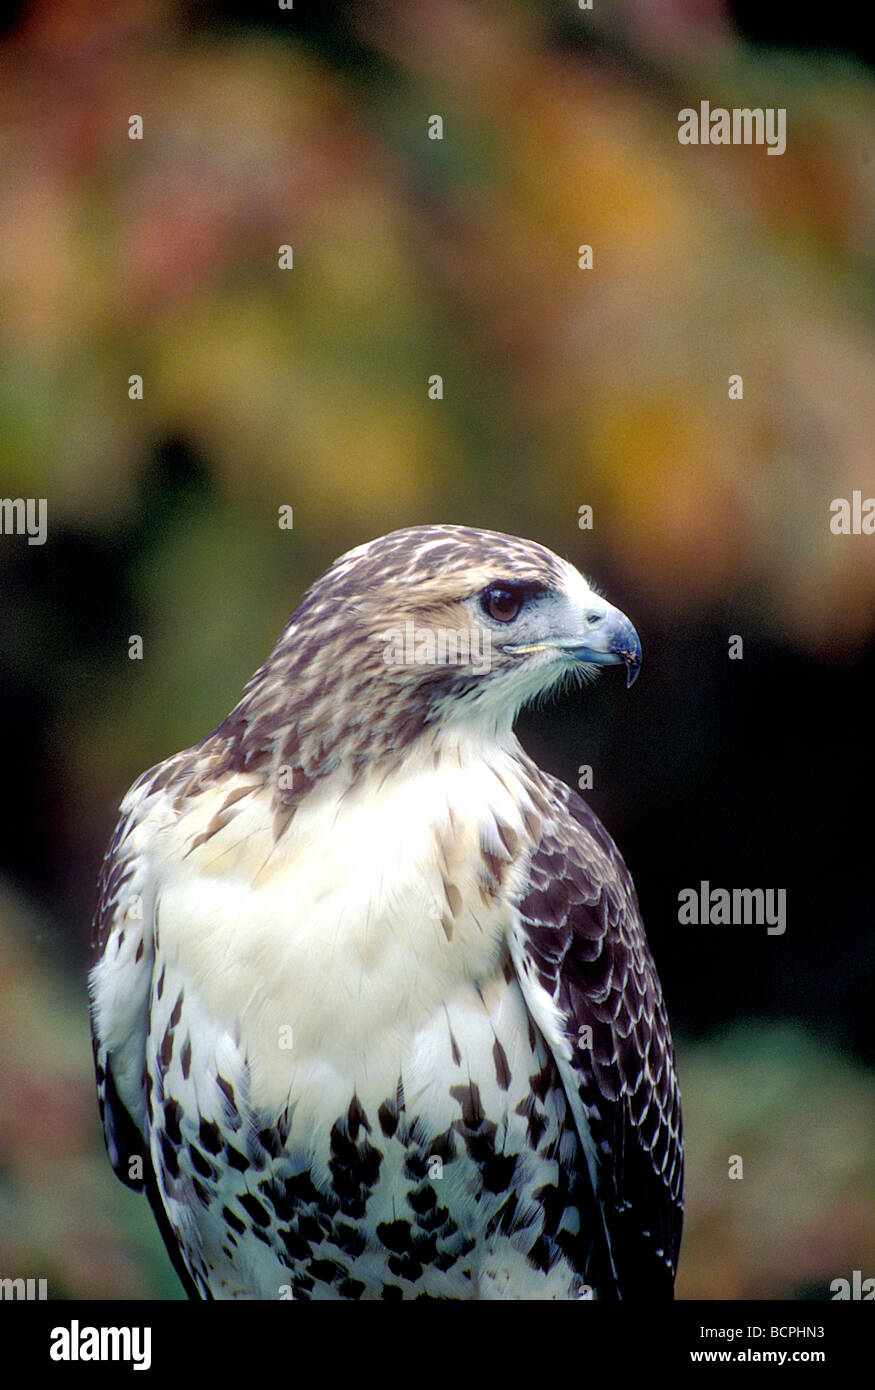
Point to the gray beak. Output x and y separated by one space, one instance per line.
611 638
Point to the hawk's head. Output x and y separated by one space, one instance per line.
417 635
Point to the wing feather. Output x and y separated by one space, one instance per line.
123 956
584 964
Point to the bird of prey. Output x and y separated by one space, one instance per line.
374 1013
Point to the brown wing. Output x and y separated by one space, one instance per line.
120 986
581 940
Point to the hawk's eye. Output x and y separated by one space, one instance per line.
501 604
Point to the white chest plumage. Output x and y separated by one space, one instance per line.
347 989
333 949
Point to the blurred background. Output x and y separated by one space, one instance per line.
561 388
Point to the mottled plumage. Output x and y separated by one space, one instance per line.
374 1014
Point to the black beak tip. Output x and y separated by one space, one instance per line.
632 661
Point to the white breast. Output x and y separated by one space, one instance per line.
325 955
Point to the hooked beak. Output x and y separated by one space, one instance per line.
607 640
611 639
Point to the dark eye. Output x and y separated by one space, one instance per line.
501 604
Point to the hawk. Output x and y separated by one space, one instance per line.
373 1010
